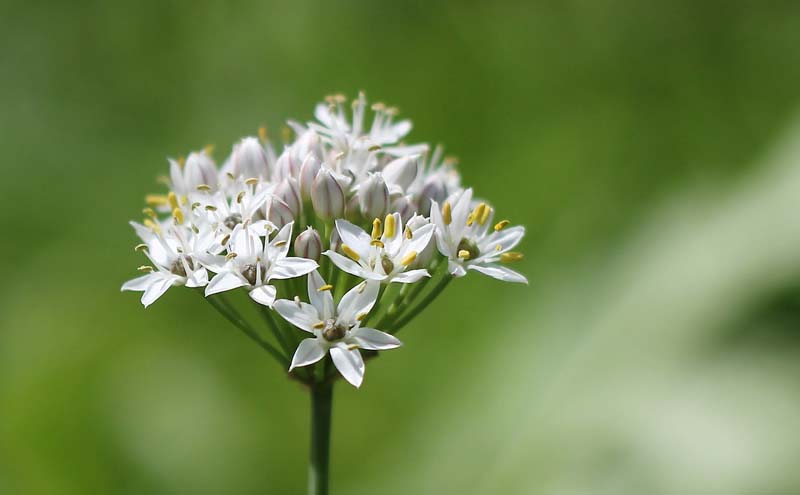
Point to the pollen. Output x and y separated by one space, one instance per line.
352 347
252 181
173 200
485 215
409 234
376 228
463 254
240 196
152 225
177 214
501 225
374 147
350 253
208 149
376 243
149 212
145 268
325 287
211 208
140 247
499 247
361 316
447 213
318 325
389 226
203 187
510 257
262 133
470 219
225 239
230 256
156 199
280 243
409 258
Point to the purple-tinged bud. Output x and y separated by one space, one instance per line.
308 244
404 206
336 241
289 192
199 170
352 210
278 212
286 166
250 159
400 173
308 172
327 195
373 196
433 190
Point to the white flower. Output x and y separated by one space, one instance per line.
173 262
462 235
224 213
199 170
252 262
383 257
336 330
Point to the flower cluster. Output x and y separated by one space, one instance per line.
387 224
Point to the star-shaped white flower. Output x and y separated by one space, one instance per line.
383 257
252 262
463 236
336 330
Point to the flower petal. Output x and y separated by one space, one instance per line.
421 239
350 266
300 314
354 237
410 276
322 300
308 352
264 294
156 290
500 273
349 364
198 278
292 267
139 283
360 299
283 236
375 340
224 281
456 269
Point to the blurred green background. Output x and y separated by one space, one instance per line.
651 148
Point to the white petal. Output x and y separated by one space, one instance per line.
456 269
308 352
401 171
264 294
410 276
224 281
358 300
500 273
156 290
284 235
461 208
302 315
507 239
198 278
421 239
369 338
441 231
292 267
349 364
354 237
139 283
350 266
322 300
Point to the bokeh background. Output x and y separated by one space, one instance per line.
651 148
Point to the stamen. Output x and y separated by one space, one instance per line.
374 147
240 196
318 325
376 228
377 243
447 213
152 225
501 225
262 133
286 134
325 287
498 248
280 243
510 257
389 226
361 287
470 219
195 206
173 200
378 107
361 316
230 256
251 181
350 253
485 215
177 214
149 212
208 149
297 301
463 254
156 199
140 247
181 161
145 268
225 239
409 234
230 176
410 257
203 187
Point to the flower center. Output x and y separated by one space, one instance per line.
387 264
470 247
250 272
178 268
233 220
333 331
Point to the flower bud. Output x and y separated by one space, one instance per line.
200 169
286 166
426 255
405 207
289 192
308 171
433 190
336 241
400 173
327 195
249 159
373 196
308 244
278 212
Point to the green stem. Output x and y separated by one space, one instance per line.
276 331
321 405
419 308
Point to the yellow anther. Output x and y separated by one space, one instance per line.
498 247
376 228
280 243
470 219
376 243
350 253
374 147
203 187
184 200
286 134
447 213
240 196
156 199
410 257
485 215
340 155
208 149
378 107
252 181
361 316
352 347
361 287
409 234
163 179
225 239
211 208
230 256
463 254
152 225
262 133
230 176
319 325
177 214
392 111
140 247
501 225
510 257
149 212
145 268
195 206
195 229
389 226
172 198
325 287
181 161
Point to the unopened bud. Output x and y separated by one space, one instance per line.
373 196
401 172
433 190
308 172
278 212
327 195
249 159
336 241
405 207
308 244
289 192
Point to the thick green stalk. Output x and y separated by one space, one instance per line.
321 405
